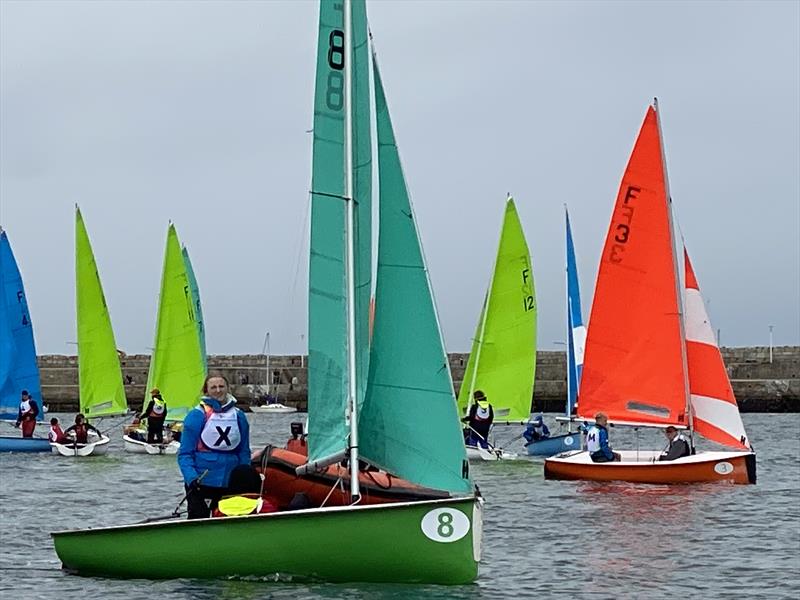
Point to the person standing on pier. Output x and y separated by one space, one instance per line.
215 439
28 411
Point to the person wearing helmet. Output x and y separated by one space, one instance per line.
536 430
155 413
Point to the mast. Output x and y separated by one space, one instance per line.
567 412
678 291
351 410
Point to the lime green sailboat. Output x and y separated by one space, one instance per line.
102 392
503 357
178 363
390 403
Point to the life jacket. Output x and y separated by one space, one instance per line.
158 410
243 504
220 432
593 439
56 434
81 433
26 409
483 414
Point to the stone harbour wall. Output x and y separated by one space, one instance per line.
759 385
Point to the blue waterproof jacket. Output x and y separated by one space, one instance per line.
194 457
605 449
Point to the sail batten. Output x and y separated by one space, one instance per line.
503 357
102 392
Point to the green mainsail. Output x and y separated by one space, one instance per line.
176 367
198 308
503 357
327 303
102 392
409 422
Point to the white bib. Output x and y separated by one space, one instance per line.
24 406
53 435
158 408
593 439
221 431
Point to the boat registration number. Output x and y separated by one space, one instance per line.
445 525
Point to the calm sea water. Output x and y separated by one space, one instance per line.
541 538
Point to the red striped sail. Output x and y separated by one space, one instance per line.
716 414
634 366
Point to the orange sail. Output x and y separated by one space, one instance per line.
715 412
634 369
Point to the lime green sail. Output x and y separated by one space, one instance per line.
198 308
176 367
327 302
409 422
503 357
102 392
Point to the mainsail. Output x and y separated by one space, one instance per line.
634 368
19 370
503 357
328 380
198 308
409 423
715 412
576 330
102 391
176 367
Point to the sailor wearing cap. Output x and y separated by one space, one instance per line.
479 420
678 445
155 413
536 430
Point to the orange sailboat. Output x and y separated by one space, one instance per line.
651 358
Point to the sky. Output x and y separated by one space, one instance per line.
199 113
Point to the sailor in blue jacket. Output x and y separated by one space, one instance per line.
536 430
597 441
215 439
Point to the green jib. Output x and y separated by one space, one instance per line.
409 422
176 367
327 302
198 308
102 392
503 357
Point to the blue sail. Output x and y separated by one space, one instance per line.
18 368
576 331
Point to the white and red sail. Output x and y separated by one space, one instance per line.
634 369
715 412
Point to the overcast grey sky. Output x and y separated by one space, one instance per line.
198 112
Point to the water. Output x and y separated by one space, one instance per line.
541 538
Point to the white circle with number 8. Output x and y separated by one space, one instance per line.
445 525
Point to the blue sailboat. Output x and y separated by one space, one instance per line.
18 368
576 340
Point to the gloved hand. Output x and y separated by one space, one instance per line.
194 486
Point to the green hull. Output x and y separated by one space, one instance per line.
436 541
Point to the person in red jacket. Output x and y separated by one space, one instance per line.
81 429
28 411
55 435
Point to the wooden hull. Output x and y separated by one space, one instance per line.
435 542
643 467
21 444
282 483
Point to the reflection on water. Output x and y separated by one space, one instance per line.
541 538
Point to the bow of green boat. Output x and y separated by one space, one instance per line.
435 542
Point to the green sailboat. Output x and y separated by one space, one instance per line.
502 362
198 308
102 392
178 362
390 403
177 366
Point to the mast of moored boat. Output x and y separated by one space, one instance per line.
676 278
352 404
